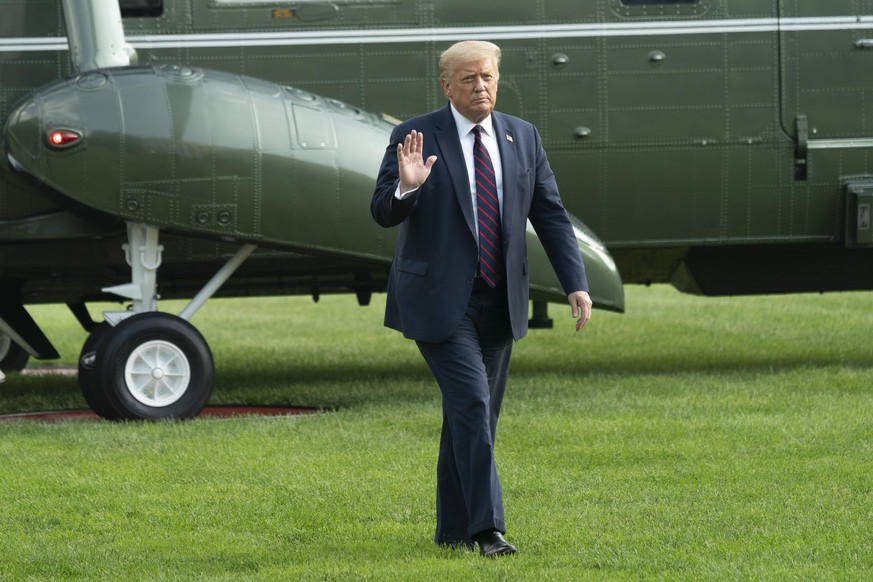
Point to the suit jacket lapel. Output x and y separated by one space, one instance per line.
509 160
446 136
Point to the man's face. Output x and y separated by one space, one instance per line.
472 89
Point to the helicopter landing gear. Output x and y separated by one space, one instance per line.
13 358
150 366
140 364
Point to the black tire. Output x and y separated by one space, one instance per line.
89 372
155 366
13 358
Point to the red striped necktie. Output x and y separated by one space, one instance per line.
490 244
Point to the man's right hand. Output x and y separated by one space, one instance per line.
413 170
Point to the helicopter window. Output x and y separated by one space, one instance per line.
637 2
287 4
134 8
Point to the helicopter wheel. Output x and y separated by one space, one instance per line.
151 366
13 358
89 376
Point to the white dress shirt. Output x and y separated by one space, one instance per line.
468 139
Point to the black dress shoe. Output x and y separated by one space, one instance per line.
492 544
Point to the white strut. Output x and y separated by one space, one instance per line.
143 254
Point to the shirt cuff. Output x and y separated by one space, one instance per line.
402 195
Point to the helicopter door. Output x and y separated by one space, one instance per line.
826 58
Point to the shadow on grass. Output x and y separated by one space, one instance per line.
408 380
361 382
629 365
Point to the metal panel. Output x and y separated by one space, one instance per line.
826 65
859 214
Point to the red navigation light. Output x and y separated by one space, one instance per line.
64 138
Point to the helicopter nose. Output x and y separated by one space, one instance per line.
43 124
22 134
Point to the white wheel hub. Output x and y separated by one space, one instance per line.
157 373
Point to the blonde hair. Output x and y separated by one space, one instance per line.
467 51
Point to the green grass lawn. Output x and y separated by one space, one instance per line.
691 438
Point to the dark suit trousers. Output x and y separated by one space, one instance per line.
471 368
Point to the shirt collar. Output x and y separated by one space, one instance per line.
465 125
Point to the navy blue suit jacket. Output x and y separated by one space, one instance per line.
436 258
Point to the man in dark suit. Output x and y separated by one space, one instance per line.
461 182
